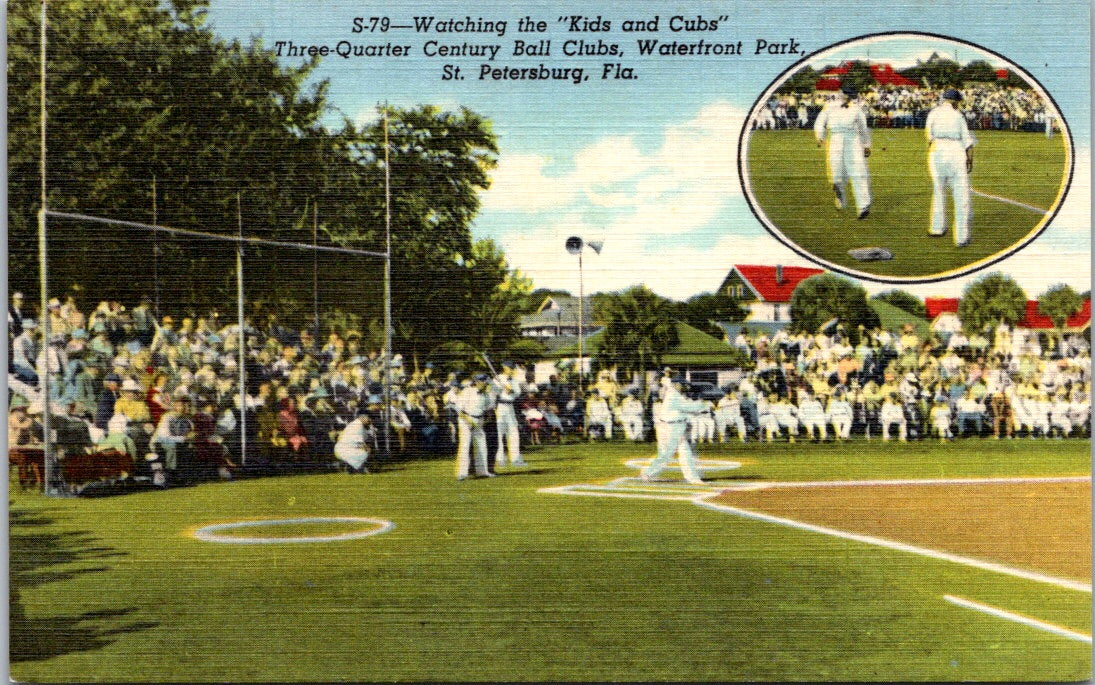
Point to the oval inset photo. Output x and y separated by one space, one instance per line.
905 157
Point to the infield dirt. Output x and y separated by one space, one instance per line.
1039 526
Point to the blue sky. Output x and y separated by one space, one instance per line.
649 165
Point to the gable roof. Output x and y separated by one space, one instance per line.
762 279
561 310
1032 319
893 318
694 348
1035 319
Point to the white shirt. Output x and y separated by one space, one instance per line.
946 123
843 121
472 402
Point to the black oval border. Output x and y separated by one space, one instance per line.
932 278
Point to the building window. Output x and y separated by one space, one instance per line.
775 312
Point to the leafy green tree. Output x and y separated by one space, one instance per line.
639 330
825 297
704 310
142 92
1059 303
802 81
903 300
991 299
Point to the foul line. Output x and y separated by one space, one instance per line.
1019 618
928 481
618 488
898 546
1032 208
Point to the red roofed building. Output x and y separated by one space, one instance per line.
940 305
883 74
1034 320
765 290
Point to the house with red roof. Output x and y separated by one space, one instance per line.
765 290
945 309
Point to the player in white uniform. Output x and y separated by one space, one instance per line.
950 159
812 416
728 413
703 424
507 387
844 123
890 414
631 416
472 403
671 425
840 415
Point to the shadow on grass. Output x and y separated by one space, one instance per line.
39 555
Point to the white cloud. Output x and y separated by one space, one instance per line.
696 163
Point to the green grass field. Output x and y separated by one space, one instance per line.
492 580
789 184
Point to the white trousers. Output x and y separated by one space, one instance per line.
673 437
703 428
847 163
509 435
633 427
947 161
722 422
842 426
470 437
811 424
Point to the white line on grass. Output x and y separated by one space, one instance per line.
210 533
1019 618
1032 208
899 546
928 481
621 488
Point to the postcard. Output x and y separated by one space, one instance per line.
586 341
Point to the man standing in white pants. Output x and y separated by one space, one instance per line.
844 123
508 389
472 404
671 425
950 159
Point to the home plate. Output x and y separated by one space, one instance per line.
701 464
871 254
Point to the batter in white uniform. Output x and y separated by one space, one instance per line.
845 125
950 158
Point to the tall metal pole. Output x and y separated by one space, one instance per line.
315 275
49 458
242 335
155 254
387 294
581 317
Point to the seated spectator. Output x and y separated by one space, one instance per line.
355 443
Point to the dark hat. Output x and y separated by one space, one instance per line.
112 377
952 94
507 365
849 90
481 378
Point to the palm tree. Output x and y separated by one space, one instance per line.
638 331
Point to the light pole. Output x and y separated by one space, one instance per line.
574 246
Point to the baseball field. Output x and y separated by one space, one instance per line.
857 561
1017 179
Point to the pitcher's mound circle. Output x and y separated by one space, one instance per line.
212 532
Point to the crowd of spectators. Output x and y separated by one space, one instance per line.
166 393
986 107
1010 383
